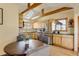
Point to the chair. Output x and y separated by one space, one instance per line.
21 37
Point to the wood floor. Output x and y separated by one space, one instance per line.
53 51
58 51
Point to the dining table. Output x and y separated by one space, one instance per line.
19 48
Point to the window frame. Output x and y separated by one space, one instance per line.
66 23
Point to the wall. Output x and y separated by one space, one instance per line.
76 14
9 29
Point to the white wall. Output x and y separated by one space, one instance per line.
22 6
9 29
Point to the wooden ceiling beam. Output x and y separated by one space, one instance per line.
31 7
42 11
57 10
28 5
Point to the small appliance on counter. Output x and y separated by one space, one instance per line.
56 32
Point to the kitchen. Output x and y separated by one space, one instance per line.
61 34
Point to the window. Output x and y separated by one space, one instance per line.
63 24
27 27
59 24
53 26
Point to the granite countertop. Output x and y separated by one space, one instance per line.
58 34
47 33
64 34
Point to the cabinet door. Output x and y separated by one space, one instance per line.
57 40
54 40
67 41
34 35
64 41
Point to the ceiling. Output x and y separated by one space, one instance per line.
36 12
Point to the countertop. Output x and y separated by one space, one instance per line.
58 34
46 33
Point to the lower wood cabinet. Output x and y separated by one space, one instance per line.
57 40
65 41
33 35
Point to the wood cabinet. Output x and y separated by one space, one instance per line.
65 41
33 35
57 39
